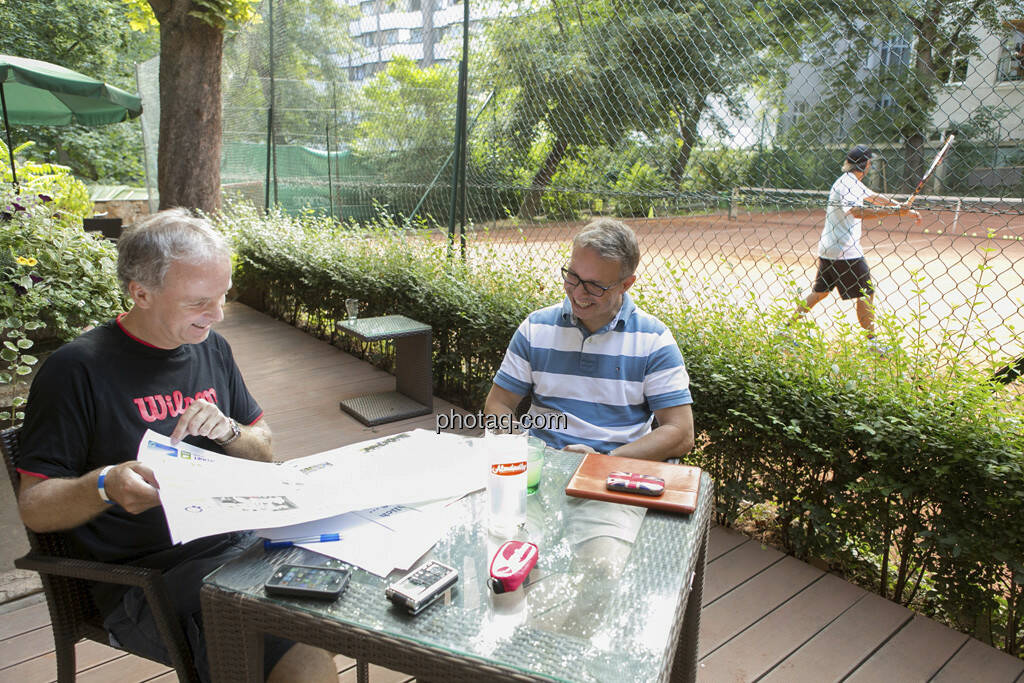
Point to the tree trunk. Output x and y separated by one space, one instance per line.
920 105
427 9
188 156
913 160
531 202
688 120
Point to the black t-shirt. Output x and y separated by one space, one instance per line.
90 404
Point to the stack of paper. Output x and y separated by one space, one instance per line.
399 484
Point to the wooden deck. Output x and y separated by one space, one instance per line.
766 616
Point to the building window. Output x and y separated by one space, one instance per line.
895 55
357 73
1011 58
416 35
449 31
366 7
414 6
884 102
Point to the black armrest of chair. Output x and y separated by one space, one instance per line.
99 572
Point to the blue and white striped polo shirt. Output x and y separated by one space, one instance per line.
608 384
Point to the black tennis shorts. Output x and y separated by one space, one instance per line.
851 277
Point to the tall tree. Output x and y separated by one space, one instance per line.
191 49
400 112
681 56
564 87
311 38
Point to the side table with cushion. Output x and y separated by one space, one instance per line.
414 391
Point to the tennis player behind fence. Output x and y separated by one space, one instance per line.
841 262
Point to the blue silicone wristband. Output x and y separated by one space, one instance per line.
100 482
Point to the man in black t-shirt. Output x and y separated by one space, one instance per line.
158 366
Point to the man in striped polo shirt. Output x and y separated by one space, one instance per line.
597 359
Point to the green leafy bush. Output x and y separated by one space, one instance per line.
563 199
303 269
54 281
905 471
635 187
69 195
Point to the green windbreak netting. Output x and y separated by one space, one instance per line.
308 179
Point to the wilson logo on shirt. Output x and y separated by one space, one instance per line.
162 406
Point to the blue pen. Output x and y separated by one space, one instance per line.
322 538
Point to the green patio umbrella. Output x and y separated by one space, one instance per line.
38 93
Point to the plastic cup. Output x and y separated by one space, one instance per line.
534 464
352 308
506 483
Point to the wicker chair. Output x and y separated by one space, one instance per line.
66 578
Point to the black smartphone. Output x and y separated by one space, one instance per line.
630 482
299 581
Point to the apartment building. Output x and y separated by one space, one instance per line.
426 31
993 76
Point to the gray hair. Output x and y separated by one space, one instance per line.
612 240
147 249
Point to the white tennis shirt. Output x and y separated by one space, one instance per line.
840 238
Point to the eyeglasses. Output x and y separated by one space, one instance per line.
589 286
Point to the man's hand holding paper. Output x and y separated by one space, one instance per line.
133 486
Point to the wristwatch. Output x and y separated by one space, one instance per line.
236 432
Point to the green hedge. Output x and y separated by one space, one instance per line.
303 269
904 471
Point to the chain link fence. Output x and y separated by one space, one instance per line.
714 129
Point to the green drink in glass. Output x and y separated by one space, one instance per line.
534 464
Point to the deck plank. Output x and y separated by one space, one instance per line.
24 619
980 663
840 647
44 667
124 668
768 641
722 540
26 645
736 566
914 653
728 616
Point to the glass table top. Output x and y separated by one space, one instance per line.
603 602
383 327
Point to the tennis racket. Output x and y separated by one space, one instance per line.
931 169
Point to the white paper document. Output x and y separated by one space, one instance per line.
378 539
205 493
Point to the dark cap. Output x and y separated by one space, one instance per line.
860 155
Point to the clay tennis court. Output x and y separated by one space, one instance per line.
961 270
